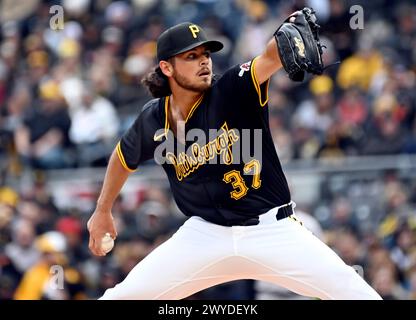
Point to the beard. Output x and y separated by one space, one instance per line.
188 85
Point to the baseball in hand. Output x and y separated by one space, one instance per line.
107 243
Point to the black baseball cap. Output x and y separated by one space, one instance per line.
183 37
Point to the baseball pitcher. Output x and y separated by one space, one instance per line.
212 137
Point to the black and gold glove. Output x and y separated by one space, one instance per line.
298 44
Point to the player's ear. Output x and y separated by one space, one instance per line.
166 68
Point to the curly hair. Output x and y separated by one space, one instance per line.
157 83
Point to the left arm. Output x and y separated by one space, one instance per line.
268 62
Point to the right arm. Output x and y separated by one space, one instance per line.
101 220
135 147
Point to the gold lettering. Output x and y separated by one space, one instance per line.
208 152
222 145
232 136
301 47
197 153
171 157
194 29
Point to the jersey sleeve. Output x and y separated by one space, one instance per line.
135 146
241 80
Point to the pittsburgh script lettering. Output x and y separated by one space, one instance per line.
186 164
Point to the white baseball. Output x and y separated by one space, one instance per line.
107 243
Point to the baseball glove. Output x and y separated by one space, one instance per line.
298 44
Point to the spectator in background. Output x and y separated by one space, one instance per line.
256 31
137 63
386 284
103 71
94 128
405 247
316 114
352 108
42 139
37 61
348 246
337 28
360 68
345 133
385 135
36 282
343 216
405 81
280 111
396 198
36 205
383 273
334 144
22 251
42 282
69 53
18 105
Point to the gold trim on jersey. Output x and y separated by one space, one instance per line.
121 158
196 104
257 85
186 164
165 133
167 126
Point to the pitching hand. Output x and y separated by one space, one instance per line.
98 225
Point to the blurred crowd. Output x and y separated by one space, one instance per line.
67 95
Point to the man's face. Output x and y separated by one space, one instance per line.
193 69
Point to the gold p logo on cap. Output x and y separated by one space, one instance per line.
194 29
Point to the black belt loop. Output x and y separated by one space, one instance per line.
284 212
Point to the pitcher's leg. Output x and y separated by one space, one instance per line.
291 256
186 263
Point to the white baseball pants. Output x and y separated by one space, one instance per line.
201 254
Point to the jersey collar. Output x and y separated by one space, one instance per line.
166 111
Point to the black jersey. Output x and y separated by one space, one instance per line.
214 178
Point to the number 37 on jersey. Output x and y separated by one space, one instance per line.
238 183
